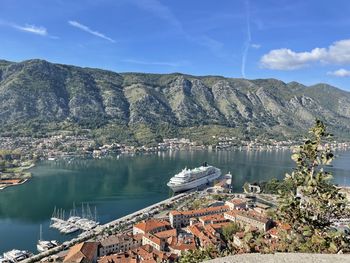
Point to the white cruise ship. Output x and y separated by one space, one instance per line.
189 179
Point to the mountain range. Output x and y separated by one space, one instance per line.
38 97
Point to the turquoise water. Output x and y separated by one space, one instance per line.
118 186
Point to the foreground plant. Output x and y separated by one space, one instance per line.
310 203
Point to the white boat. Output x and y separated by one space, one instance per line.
69 229
188 179
16 255
43 245
3 260
73 219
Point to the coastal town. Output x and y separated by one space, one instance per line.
62 146
164 232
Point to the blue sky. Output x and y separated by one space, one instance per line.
305 41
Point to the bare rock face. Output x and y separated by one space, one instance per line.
40 92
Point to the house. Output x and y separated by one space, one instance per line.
206 236
151 226
85 252
154 241
167 233
250 218
237 203
119 243
180 219
178 245
213 219
261 208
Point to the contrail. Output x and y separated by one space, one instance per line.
248 40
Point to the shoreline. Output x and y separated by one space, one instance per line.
22 180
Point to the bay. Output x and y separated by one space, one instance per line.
119 185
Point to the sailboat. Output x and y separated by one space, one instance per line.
43 245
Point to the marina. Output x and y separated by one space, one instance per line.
74 222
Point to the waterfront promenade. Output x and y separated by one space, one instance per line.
127 220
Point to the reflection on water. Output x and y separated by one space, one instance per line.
118 186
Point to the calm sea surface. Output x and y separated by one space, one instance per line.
118 186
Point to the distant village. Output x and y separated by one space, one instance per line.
60 146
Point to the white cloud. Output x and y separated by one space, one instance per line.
90 31
256 46
340 73
38 30
287 59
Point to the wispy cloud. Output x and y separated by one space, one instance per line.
89 30
155 63
29 28
38 30
160 10
339 73
248 39
286 59
256 46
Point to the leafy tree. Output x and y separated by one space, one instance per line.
229 230
199 255
311 202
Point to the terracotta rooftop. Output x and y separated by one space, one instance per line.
215 217
118 258
252 215
151 224
166 233
273 232
201 211
154 239
183 244
115 239
220 225
82 252
248 214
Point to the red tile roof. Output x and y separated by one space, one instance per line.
151 224
85 251
166 233
201 211
118 258
154 239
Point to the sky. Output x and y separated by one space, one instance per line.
304 41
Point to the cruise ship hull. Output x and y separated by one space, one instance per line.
193 184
